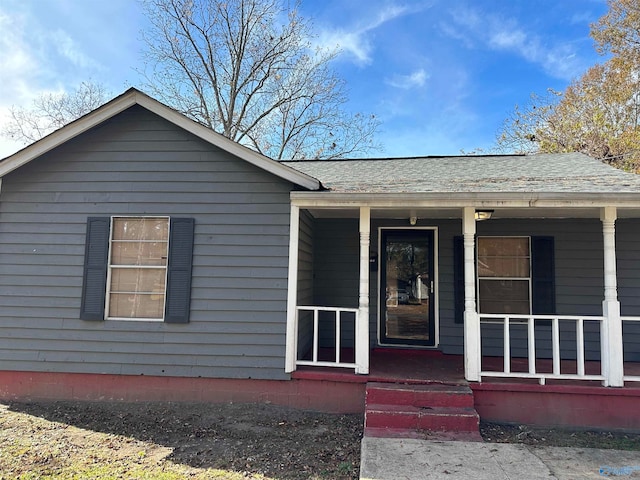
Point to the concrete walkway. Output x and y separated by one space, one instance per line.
402 459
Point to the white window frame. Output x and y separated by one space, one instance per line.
109 268
479 277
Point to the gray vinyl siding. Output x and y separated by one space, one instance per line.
578 276
628 261
139 164
337 260
337 275
305 281
305 259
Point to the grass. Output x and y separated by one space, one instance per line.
104 441
37 449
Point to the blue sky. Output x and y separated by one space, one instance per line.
441 74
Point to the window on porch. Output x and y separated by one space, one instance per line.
504 275
514 275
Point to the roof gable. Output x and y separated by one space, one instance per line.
135 97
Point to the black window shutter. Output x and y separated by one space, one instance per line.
458 278
94 282
179 271
543 276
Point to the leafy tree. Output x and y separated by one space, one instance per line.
618 32
247 69
51 111
599 113
525 126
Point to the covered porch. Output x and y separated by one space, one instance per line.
515 279
581 340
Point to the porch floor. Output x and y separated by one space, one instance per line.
430 366
416 366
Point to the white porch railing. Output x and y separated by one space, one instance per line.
630 378
315 340
508 321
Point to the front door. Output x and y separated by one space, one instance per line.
407 288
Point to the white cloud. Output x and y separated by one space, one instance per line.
387 14
405 82
18 66
355 41
16 58
69 49
582 17
350 43
36 59
497 33
468 18
509 40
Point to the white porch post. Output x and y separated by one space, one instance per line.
362 326
472 357
612 359
292 291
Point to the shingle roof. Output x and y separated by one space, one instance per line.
541 173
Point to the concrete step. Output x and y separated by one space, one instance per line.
436 419
414 411
431 395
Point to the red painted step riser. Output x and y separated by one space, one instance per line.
418 399
389 420
450 423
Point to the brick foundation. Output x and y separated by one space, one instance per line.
325 396
570 406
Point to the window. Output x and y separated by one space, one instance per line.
541 276
137 268
504 275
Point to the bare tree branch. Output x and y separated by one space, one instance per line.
246 69
51 111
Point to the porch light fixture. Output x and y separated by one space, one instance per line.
483 214
413 220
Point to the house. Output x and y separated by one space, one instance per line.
145 257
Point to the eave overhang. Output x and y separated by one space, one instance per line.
465 199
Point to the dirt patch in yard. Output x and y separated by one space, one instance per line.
175 440
558 437
171 441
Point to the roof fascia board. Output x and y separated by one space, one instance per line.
205 133
458 200
66 133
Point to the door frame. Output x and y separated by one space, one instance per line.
436 296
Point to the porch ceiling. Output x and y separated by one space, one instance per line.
456 213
